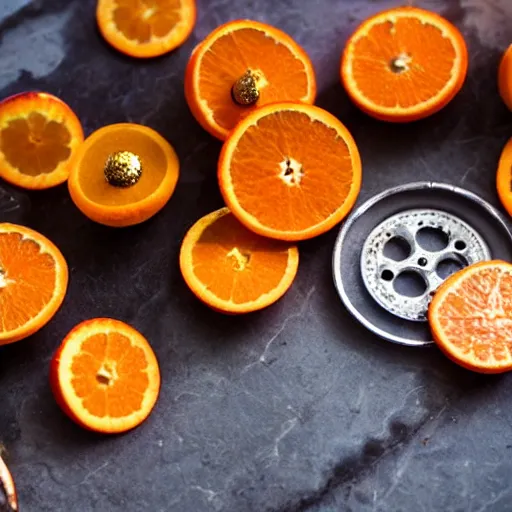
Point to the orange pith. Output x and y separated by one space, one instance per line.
232 269
471 317
505 77
504 177
39 136
284 73
123 206
290 171
404 64
33 282
105 376
146 28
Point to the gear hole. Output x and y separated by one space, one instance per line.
460 245
397 249
387 275
432 239
410 284
450 265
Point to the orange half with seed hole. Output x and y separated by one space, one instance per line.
146 28
39 137
233 270
105 376
279 70
33 282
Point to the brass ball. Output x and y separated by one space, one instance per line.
245 91
123 169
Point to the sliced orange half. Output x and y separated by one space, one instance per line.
241 66
505 77
504 177
146 28
33 282
471 317
290 171
39 136
105 376
404 64
124 174
233 270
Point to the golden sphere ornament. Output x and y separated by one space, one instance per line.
123 169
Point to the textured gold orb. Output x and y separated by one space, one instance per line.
123 169
245 92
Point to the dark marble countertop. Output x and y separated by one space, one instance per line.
296 408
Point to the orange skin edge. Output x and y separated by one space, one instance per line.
72 123
36 324
219 305
191 71
504 177
132 214
8 484
421 113
138 50
55 383
441 291
505 77
322 227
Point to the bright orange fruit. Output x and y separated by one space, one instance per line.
505 77
404 64
146 28
33 282
124 174
290 171
504 177
105 376
241 66
471 317
39 136
232 269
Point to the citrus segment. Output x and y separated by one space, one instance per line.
146 28
471 317
504 177
33 282
241 66
404 64
39 136
124 174
232 269
105 376
290 171
505 77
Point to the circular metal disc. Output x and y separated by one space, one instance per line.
394 250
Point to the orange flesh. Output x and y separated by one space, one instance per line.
230 56
110 375
323 181
428 54
27 280
237 265
143 20
91 174
35 145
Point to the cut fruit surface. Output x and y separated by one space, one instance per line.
105 376
505 77
504 177
146 28
124 174
232 269
290 171
39 137
33 282
471 317
404 64
241 66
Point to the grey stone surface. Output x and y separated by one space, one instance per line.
296 408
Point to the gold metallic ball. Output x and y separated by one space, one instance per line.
245 92
123 169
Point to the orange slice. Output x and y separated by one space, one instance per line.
146 28
471 317
105 376
404 64
505 77
33 282
290 171
241 66
504 177
8 497
39 136
124 174
233 270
